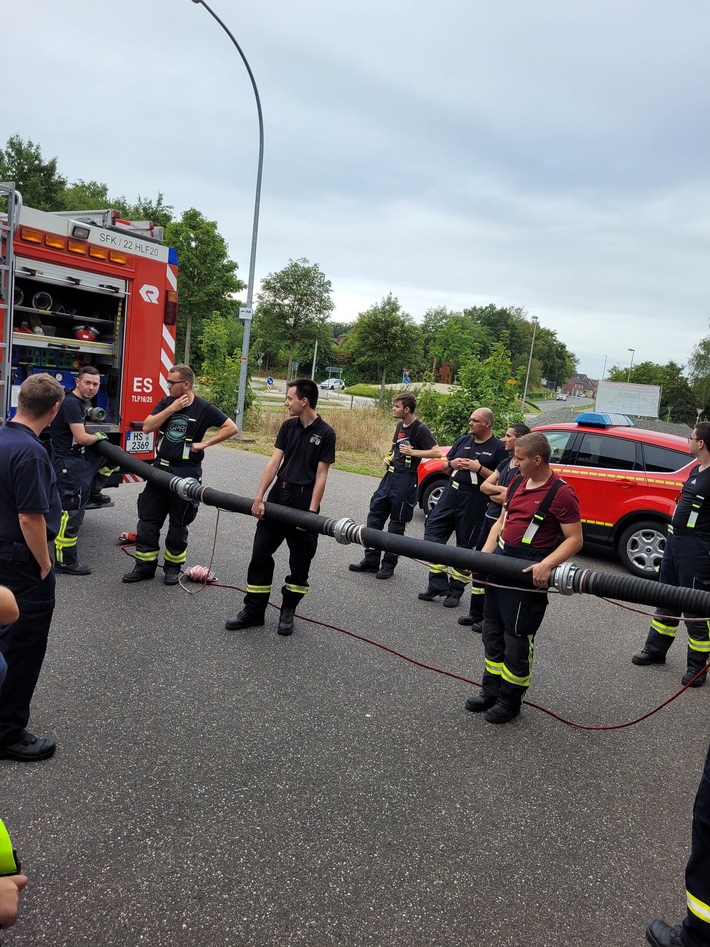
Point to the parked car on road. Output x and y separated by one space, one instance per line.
336 384
561 396
627 480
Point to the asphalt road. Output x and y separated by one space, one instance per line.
244 789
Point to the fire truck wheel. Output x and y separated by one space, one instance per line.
641 548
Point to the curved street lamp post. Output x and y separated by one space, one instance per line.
246 312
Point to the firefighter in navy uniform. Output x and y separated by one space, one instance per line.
471 459
303 453
80 473
538 506
30 512
182 419
686 562
396 495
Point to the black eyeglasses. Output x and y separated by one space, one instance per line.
695 438
180 381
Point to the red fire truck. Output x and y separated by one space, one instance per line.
88 288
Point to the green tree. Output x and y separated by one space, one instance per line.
384 341
294 305
38 181
85 195
221 363
677 397
483 383
552 359
455 341
699 373
207 278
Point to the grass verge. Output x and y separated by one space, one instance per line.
363 437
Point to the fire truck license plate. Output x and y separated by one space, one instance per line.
137 442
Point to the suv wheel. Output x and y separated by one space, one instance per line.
641 548
432 495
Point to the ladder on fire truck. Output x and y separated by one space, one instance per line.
8 226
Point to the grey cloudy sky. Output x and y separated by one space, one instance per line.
549 155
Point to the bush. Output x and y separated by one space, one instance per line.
364 391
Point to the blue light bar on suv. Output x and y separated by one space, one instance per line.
594 419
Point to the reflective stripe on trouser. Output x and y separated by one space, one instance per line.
696 926
511 618
478 593
147 559
175 558
65 541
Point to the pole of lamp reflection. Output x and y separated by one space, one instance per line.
628 377
527 377
604 369
245 313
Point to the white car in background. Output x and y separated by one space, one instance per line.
561 396
335 384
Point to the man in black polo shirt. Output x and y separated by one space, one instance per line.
396 496
183 419
304 451
30 511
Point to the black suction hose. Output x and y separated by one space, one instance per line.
568 578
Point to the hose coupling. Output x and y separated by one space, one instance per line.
563 577
187 488
346 531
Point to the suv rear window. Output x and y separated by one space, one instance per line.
611 453
663 459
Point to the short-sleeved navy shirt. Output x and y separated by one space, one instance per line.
185 426
304 448
488 453
695 492
28 483
71 411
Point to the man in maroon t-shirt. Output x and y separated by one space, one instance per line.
511 616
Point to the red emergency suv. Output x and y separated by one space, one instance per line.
627 480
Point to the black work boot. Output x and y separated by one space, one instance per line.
364 565
690 674
660 934
429 594
452 600
140 573
644 657
477 703
286 620
245 619
171 575
72 568
502 712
